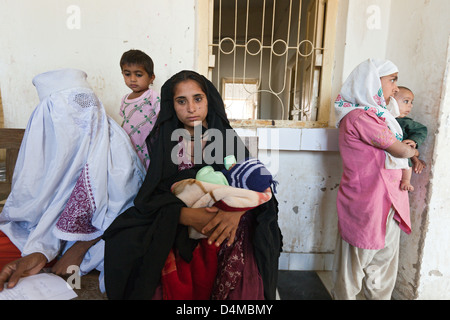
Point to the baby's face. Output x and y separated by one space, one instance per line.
405 99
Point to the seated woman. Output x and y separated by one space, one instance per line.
148 252
75 172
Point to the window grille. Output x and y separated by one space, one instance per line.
274 49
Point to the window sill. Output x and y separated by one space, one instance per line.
292 138
254 124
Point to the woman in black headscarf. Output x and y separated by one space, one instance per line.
141 240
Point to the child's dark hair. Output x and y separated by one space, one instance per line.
137 57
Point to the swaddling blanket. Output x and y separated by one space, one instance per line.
197 194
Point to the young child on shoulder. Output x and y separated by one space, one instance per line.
140 108
414 134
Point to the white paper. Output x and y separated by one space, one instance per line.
42 286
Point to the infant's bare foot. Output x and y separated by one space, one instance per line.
406 186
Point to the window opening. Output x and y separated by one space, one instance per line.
274 49
241 98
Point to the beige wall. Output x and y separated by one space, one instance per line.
39 36
418 42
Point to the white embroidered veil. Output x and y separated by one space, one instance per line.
76 171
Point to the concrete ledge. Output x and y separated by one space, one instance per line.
294 139
306 261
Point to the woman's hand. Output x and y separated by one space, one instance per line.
217 224
25 266
402 150
222 226
410 143
196 218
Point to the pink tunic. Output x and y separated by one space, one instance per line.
139 116
367 189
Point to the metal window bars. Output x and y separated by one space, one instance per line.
278 42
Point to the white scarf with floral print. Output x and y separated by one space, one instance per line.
363 90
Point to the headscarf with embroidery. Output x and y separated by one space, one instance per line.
363 90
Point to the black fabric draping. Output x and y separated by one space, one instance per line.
138 242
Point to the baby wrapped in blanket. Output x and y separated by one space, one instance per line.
240 187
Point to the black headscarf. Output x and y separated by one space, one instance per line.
138 242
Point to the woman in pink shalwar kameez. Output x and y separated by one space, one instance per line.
372 209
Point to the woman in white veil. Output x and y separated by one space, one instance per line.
76 171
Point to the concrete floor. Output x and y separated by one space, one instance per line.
301 285
292 285
89 288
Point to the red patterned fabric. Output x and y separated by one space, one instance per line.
225 273
190 281
8 251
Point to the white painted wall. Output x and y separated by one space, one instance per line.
307 165
35 37
362 32
418 40
435 267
